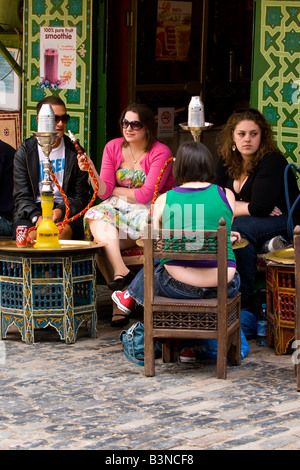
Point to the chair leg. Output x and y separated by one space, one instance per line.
221 367
149 357
170 350
222 359
166 351
235 348
297 372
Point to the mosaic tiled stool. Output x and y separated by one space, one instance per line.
47 287
280 281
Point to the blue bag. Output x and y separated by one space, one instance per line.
208 348
248 323
133 342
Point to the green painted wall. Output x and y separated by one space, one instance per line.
275 87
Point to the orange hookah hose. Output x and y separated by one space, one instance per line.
94 179
156 188
66 219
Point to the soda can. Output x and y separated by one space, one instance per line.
21 235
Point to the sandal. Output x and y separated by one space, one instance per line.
121 281
122 321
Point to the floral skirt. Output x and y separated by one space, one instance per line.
128 218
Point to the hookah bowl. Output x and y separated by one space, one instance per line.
196 131
47 231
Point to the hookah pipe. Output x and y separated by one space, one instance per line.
81 152
157 184
66 219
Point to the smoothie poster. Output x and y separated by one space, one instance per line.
173 30
58 57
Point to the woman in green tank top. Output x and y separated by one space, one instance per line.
195 204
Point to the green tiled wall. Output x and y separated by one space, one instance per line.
275 88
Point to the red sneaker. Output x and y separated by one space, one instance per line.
187 355
123 300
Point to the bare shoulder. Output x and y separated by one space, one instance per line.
161 200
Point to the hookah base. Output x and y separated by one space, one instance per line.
47 241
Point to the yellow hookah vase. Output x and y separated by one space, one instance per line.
47 232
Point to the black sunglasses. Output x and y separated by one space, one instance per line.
135 125
64 118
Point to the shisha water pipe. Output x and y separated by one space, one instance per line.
47 231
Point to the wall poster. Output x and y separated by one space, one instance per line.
58 57
173 30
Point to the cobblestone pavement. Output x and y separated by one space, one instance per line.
89 396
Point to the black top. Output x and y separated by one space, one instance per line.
7 153
264 188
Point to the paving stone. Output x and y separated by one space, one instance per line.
89 396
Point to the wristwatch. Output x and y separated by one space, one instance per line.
34 219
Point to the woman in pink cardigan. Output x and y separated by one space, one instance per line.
130 169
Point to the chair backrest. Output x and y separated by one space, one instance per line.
188 245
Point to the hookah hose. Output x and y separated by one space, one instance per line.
66 219
80 151
156 188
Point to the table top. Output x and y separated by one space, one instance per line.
66 246
286 257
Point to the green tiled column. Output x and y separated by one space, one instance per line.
275 88
59 13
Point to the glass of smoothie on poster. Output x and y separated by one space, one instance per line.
51 65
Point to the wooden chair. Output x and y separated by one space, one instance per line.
297 304
167 319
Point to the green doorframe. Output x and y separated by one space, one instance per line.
98 96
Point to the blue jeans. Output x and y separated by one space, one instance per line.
257 230
5 227
166 286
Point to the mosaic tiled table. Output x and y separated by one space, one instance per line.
55 287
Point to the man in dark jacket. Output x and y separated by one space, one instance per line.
28 175
7 153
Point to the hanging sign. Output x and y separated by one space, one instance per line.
165 122
173 30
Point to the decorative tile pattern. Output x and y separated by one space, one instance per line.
10 128
73 13
51 289
275 88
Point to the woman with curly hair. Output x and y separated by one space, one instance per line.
253 167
